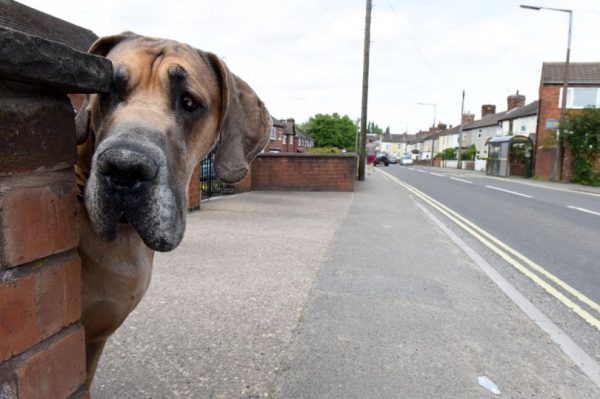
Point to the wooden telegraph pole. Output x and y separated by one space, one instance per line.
362 153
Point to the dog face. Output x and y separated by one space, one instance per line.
168 107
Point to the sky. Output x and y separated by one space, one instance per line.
305 57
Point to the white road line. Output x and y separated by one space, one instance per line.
584 361
583 210
462 180
510 192
421 171
437 174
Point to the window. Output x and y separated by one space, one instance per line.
273 133
581 97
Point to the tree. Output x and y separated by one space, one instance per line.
332 131
582 133
373 128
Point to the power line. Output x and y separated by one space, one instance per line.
412 41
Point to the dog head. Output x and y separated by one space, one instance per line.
169 105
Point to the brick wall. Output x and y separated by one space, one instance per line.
193 190
307 172
42 351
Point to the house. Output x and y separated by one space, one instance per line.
521 120
391 143
583 91
449 138
480 131
275 143
287 137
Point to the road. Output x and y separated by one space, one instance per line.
548 231
559 230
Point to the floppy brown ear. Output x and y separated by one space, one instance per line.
101 47
244 126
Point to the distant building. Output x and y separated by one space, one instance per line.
583 91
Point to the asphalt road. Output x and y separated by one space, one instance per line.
557 229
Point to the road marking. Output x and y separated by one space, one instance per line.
499 248
462 180
421 171
583 210
510 192
585 362
437 174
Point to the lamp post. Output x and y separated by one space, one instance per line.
432 139
563 106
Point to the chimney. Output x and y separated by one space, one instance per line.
487 109
514 101
467 118
441 126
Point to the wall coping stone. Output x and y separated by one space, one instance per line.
304 155
31 59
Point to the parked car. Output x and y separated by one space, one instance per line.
392 158
406 159
382 157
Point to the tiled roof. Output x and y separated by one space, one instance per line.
519 112
277 122
579 73
488 120
19 17
391 138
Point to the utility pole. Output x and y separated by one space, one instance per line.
362 154
460 132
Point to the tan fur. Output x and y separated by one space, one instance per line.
117 273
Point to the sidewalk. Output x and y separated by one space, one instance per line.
327 295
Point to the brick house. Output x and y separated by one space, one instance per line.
583 91
275 143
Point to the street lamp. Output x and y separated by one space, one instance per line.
563 106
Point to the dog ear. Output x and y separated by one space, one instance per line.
101 47
244 125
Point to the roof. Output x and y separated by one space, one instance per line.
587 73
391 138
519 112
488 120
277 122
451 131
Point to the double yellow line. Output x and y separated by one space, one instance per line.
514 258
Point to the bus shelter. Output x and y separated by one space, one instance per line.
510 156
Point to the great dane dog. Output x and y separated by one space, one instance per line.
168 106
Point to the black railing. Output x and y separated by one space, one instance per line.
210 185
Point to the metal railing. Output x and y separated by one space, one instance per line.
210 185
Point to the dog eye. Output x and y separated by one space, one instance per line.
188 102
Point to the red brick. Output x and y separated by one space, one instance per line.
37 217
38 305
54 372
193 191
18 328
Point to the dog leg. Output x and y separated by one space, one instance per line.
92 353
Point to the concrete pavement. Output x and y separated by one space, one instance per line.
327 295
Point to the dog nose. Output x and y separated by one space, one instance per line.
126 168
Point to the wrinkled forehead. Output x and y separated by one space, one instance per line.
143 60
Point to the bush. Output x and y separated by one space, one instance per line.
469 153
582 132
447 154
323 150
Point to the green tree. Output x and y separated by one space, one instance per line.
373 128
582 133
331 131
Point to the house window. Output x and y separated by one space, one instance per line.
273 133
582 97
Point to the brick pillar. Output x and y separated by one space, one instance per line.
193 191
42 353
